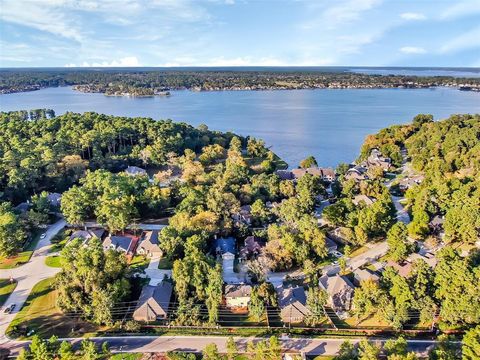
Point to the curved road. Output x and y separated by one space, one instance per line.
27 276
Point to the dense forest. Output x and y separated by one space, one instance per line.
150 82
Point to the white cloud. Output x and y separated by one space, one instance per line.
412 16
468 40
44 15
461 9
129 61
412 50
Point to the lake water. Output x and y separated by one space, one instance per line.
330 124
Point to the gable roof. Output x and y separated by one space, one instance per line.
363 198
150 241
292 302
238 290
365 274
224 245
119 242
154 301
335 284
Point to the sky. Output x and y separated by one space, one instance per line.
68 33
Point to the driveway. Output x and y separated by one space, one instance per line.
155 274
28 275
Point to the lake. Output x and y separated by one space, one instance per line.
330 124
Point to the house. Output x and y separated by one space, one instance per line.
119 243
340 234
88 234
23 207
237 295
54 199
409 181
436 224
284 174
149 244
360 275
153 302
135 171
331 245
356 173
340 293
224 245
404 268
363 199
244 215
252 248
326 174
292 303
377 159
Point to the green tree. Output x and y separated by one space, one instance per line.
347 351
12 234
232 350
471 344
399 247
308 162
211 352
368 350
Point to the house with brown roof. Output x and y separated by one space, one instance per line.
292 303
356 173
149 244
340 293
361 275
237 295
326 174
363 199
404 268
154 302
377 159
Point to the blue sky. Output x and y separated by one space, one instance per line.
239 33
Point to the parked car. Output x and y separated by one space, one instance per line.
9 309
43 236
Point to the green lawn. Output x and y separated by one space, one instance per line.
139 262
6 288
41 314
23 256
54 261
126 356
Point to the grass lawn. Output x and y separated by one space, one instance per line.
256 161
369 322
139 262
165 264
41 314
359 251
54 261
24 256
6 288
126 356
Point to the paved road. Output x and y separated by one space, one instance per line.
149 344
28 275
141 226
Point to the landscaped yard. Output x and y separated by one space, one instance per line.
139 262
6 288
54 261
41 314
24 256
